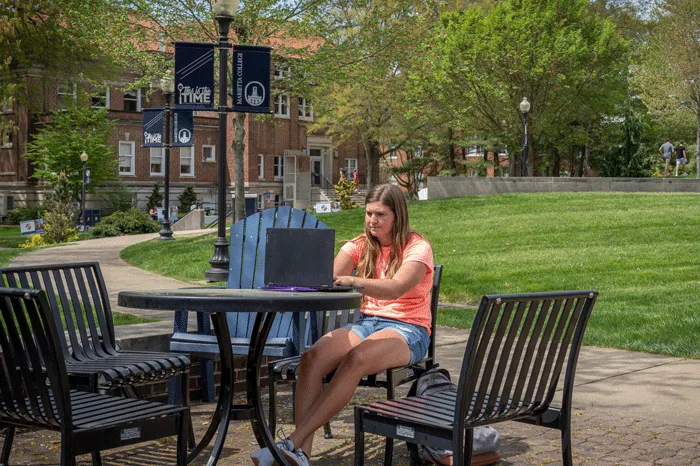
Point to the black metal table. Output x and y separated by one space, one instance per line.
218 302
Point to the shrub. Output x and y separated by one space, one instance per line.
187 198
33 241
131 222
344 190
59 218
156 197
20 214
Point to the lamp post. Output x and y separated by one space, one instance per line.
168 87
84 159
524 107
224 10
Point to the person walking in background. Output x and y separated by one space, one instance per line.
681 158
666 151
355 179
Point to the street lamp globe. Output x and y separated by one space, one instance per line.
84 157
224 7
167 85
525 105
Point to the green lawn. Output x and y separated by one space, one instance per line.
10 237
640 250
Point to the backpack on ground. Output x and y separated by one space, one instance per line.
436 380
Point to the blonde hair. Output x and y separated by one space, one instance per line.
392 197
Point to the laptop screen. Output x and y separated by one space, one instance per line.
299 257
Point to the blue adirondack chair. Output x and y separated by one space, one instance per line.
246 270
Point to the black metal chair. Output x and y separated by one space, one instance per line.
34 390
517 348
80 307
285 370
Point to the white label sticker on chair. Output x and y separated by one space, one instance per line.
406 432
131 433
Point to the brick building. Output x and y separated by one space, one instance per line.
270 142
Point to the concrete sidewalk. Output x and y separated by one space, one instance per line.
630 408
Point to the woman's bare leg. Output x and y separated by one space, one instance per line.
318 361
376 353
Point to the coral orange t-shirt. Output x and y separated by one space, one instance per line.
414 306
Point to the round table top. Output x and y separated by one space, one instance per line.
218 299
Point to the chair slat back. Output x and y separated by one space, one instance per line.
434 298
516 350
79 302
28 346
247 261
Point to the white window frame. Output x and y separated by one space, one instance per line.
282 71
152 155
349 164
261 166
212 153
131 155
139 107
106 97
73 94
190 157
282 108
278 167
306 110
392 155
8 105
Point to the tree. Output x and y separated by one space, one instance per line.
357 77
156 197
57 148
669 76
567 60
187 198
59 218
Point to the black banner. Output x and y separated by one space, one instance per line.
194 76
152 127
251 79
183 128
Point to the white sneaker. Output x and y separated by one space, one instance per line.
263 457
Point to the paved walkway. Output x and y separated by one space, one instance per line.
630 408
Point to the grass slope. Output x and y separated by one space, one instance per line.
640 250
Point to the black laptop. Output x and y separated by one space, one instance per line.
300 259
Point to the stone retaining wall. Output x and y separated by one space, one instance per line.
448 186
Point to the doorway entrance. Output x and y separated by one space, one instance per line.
316 158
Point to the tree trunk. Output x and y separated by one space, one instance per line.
239 165
586 158
532 156
556 162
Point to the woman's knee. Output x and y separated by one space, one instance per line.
356 360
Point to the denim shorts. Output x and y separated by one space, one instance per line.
416 336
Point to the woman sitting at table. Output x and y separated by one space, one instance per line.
394 268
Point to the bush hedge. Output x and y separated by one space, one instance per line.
131 222
20 214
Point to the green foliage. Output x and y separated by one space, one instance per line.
57 148
132 222
117 198
344 189
59 218
20 214
156 197
187 199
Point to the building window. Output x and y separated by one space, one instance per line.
282 105
6 137
392 155
261 166
350 166
282 71
261 202
67 95
126 158
186 161
100 99
209 153
277 200
133 101
279 167
157 158
475 151
306 112
8 105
